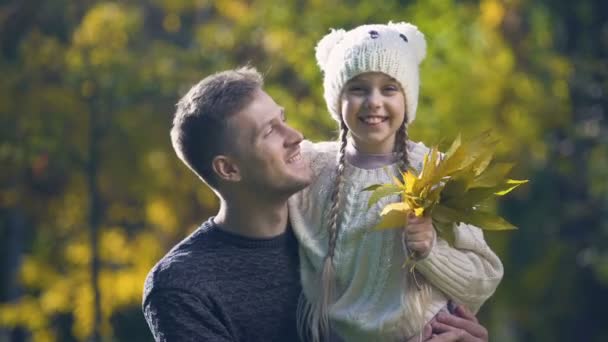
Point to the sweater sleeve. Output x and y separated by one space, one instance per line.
174 315
469 272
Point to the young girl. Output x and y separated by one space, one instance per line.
352 275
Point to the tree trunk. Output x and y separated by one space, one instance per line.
13 248
94 217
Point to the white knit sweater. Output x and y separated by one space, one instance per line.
370 303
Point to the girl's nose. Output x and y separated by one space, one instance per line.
374 99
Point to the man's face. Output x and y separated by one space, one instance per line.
267 150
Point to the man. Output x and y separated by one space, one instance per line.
236 277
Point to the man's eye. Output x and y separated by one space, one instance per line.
268 131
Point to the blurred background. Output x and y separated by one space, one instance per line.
92 194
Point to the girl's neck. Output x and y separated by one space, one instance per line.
368 161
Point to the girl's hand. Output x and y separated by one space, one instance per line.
419 235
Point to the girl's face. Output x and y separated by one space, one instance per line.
373 109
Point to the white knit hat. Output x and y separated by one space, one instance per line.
395 49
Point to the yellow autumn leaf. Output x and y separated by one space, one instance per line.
492 176
398 206
394 219
410 181
382 191
511 185
451 188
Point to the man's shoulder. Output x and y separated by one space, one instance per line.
186 267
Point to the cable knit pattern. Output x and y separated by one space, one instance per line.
369 274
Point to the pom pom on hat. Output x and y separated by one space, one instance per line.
395 49
415 37
326 44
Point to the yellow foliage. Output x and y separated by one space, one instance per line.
9 316
43 335
215 36
25 312
160 214
78 253
277 40
492 12
233 9
113 245
103 36
157 160
35 274
181 6
106 25
147 249
31 314
83 311
172 23
74 59
206 197
471 79
121 288
560 89
57 297
42 52
73 207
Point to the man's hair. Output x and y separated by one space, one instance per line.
200 123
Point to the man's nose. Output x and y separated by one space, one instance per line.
294 136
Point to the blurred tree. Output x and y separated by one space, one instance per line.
559 265
91 193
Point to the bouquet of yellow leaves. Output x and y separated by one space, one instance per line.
451 188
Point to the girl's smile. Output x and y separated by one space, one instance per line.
373 109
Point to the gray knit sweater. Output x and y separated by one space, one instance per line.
217 286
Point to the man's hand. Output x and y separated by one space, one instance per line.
451 336
419 235
461 326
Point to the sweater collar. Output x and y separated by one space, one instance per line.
368 161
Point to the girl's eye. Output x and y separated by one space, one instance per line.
391 88
356 89
269 131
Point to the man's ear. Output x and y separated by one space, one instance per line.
226 169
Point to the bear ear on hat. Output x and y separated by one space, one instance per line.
413 36
326 45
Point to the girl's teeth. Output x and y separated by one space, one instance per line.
373 120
